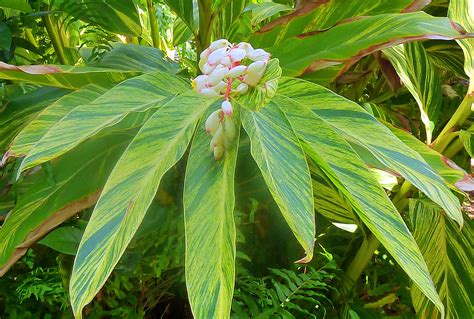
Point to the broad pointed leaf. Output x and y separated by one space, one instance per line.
50 200
134 95
356 125
421 78
448 253
47 118
338 160
210 230
128 193
351 40
277 151
63 76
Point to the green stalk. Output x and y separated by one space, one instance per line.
155 35
30 37
53 33
203 40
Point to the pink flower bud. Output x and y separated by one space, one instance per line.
209 92
200 82
217 75
227 108
236 54
219 44
226 61
206 68
245 46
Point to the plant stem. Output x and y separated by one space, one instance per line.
454 148
155 35
203 40
53 33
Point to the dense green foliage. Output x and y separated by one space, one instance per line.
344 192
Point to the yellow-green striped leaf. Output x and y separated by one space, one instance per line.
333 155
134 95
47 200
421 78
462 11
22 109
278 154
47 118
356 125
320 15
131 186
63 76
353 39
449 255
209 224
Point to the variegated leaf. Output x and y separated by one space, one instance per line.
355 124
131 186
277 151
343 166
209 224
134 95
448 253
421 78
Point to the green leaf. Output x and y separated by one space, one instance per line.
140 58
22 109
138 94
258 96
210 230
278 154
461 11
49 200
320 15
355 124
159 144
421 78
337 159
20 5
63 76
187 10
448 253
63 239
5 36
356 38
48 117
467 138
263 11
117 16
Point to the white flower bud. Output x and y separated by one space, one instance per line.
227 108
237 71
217 75
200 82
216 56
226 61
204 54
213 121
229 128
219 44
246 46
242 88
220 87
217 138
258 55
218 152
255 72
209 92
207 68
236 54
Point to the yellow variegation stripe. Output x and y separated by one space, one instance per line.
278 154
47 118
209 224
449 255
422 80
134 95
343 166
356 125
159 144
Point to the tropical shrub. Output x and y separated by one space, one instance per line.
349 122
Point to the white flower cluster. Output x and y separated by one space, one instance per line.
225 73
